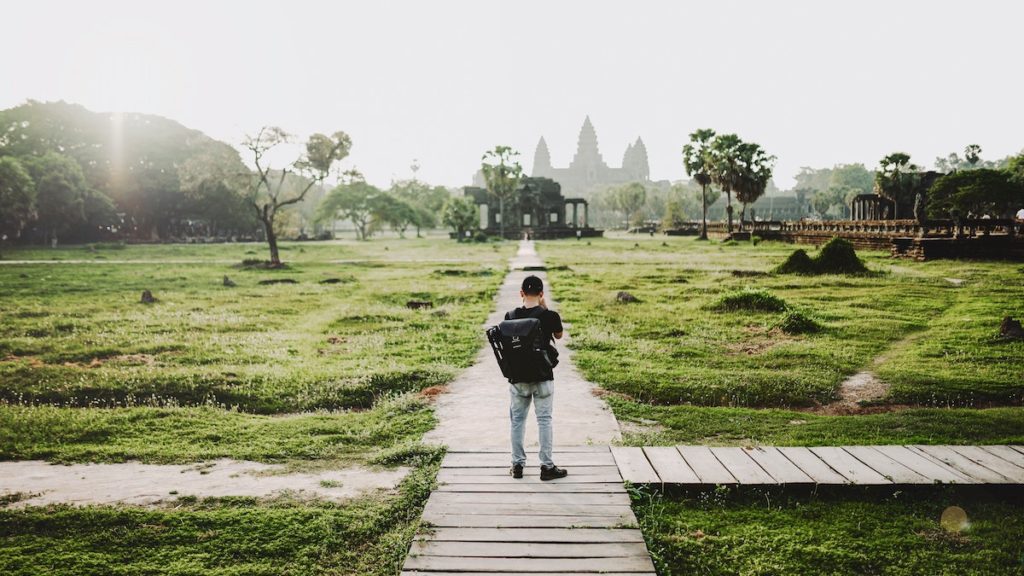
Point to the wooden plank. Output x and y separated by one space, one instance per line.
501 521
1018 448
528 549
842 462
811 465
529 470
550 486
925 466
886 466
742 467
528 509
705 465
526 565
668 463
432 573
633 465
780 467
532 535
1006 453
477 460
601 499
959 462
1010 471
529 450
459 478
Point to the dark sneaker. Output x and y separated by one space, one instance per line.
552 473
516 471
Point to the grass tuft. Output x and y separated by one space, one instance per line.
751 299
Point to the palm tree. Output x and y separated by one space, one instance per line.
698 163
896 178
726 169
755 170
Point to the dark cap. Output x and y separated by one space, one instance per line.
532 285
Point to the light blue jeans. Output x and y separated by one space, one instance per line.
543 396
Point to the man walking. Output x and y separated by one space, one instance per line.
540 393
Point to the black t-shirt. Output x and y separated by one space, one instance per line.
550 324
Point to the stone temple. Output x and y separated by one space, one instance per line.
588 173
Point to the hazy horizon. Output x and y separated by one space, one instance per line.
815 83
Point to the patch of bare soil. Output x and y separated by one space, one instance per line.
41 483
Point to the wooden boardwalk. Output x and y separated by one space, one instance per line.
482 521
865 465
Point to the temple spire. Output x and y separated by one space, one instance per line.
541 159
587 152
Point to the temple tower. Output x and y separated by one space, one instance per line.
634 161
542 159
588 158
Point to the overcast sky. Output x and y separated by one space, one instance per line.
816 83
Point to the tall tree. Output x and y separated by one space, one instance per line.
697 161
267 192
755 171
502 174
975 193
726 172
17 198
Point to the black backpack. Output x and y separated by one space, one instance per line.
521 348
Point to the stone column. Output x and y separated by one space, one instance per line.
575 219
586 214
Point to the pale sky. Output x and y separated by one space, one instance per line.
816 83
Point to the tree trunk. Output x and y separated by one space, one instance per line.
501 213
743 214
704 206
268 228
728 210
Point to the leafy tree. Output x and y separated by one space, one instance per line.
851 176
502 174
698 162
726 172
267 192
426 201
1015 169
60 193
821 202
394 211
975 193
629 200
802 194
897 177
684 203
459 214
17 198
354 200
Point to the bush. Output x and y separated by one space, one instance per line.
797 322
837 256
797 263
757 299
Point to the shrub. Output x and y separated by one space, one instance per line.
837 256
756 299
797 263
797 322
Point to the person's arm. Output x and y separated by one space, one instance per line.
557 330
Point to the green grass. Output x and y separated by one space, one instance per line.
767 532
230 536
189 434
723 426
76 334
934 341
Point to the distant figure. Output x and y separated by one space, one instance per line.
1020 214
541 393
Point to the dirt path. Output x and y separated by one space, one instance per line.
42 483
474 411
